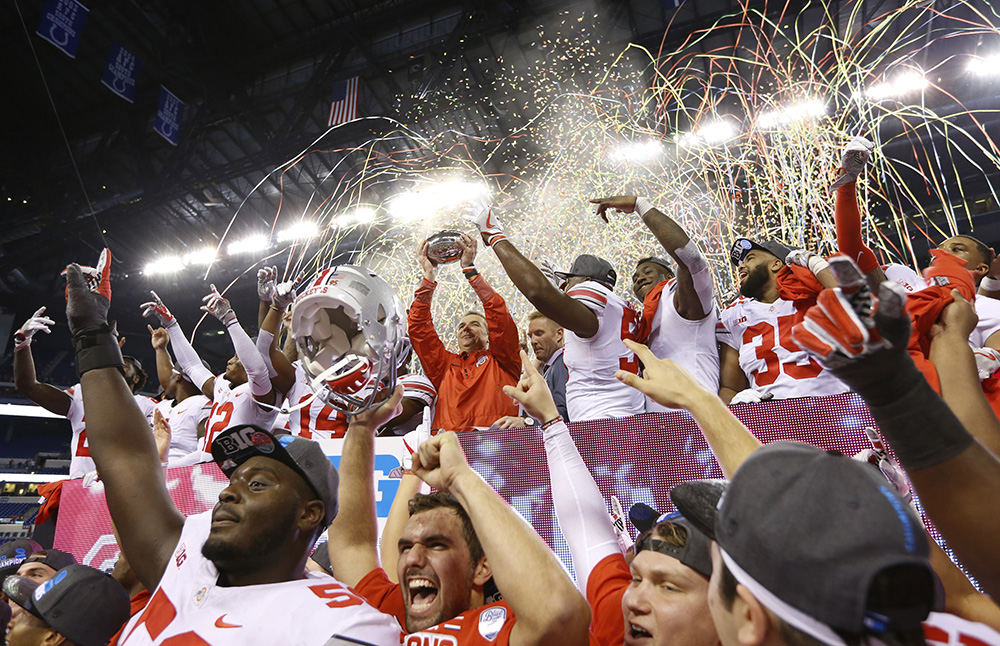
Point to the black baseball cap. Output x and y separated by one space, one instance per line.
807 531
237 444
80 603
742 246
593 267
14 553
696 552
55 559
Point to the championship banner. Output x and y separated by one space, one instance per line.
121 72
62 23
637 459
169 114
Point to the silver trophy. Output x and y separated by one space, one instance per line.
444 247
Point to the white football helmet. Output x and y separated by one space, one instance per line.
348 327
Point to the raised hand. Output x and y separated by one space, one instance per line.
283 294
156 308
532 392
620 203
440 461
159 338
549 271
97 279
375 417
485 218
856 154
37 323
425 262
162 434
662 380
266 277
218 306
469 248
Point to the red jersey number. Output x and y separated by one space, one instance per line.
629 322
765 351
224 411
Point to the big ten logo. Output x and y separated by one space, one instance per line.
103 553
385 487
430 639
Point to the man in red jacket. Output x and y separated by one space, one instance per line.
469 381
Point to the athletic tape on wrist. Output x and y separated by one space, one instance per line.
817 264
642 206
97 348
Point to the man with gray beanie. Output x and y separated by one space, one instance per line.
216 577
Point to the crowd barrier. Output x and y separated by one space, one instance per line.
637 459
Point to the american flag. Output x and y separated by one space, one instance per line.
344 106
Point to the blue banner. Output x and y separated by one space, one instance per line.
121 72
61 24
169 114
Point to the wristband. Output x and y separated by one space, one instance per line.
643 206
990 284
97 348
817 263
470 272
557 418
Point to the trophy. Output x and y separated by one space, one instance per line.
444 247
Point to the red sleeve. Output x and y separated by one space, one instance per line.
605 589
505 343
847 219
948 269
424 338
799 285
380 592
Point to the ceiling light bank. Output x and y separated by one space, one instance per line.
637 152
712 133
795 113
435 198
985 66
899 86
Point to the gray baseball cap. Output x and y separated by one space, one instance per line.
80 603
237 444
743 246
593 267
808 531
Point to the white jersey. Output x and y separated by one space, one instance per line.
183 418
188 607
691 344
592 392
987 308
80 462
942 629
233 407
772 361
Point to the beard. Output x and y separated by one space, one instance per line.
245 551
754 284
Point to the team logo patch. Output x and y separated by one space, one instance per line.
48 585
481 360
491 621
940 280
285 440
262 442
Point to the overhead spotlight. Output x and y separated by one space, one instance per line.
637 152
434 198
300 231
164 265
202 257
256 242
711 133
360 215
904 83
801 111
984 66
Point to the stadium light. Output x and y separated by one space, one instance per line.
637 152
360 215
299 231
985 66
164 265
901 85
201 257
712 133
256 242
806 110
431 199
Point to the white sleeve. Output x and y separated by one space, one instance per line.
187 358
264 340
579 505
701 274
253 363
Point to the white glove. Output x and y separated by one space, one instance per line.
283 295
485 219
416 437
987 362
808 259
156 308
856 154
878 456
218 307
265 283
549 271
37 323
618 523
750 396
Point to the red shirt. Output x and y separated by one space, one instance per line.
135 606
468 383
488 625
605 589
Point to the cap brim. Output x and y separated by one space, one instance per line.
21 590
698 503
642 516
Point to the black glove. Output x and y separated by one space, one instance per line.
87 314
